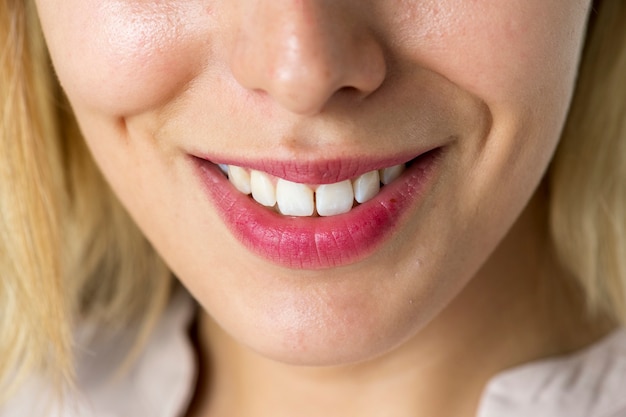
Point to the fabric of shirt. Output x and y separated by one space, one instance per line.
160 383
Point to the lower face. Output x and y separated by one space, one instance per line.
472 97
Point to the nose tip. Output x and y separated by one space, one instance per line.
303 56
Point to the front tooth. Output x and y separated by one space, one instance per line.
389 174
262 188
366 186
240 178
294 199
332 199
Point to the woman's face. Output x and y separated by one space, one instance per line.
471 94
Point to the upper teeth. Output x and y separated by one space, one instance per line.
295 199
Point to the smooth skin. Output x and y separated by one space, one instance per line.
468 285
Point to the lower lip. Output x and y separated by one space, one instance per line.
318 242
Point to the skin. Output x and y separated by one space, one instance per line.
151 81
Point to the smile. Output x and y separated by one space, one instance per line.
297 199
273 209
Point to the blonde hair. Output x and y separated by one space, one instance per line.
70 251
588 172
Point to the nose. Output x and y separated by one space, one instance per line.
302 53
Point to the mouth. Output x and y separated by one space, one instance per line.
316 216
297 199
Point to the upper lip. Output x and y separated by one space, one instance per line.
320 171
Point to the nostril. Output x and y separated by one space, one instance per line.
349 96
349 91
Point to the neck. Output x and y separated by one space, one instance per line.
520 307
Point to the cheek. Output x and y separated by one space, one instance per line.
509 52
520 59
122 57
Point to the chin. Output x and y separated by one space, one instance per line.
314 328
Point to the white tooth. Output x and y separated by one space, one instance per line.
389 174
366 186
263 190
240 178
332 199
224 168
294 199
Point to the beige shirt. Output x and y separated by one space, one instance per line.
590 383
